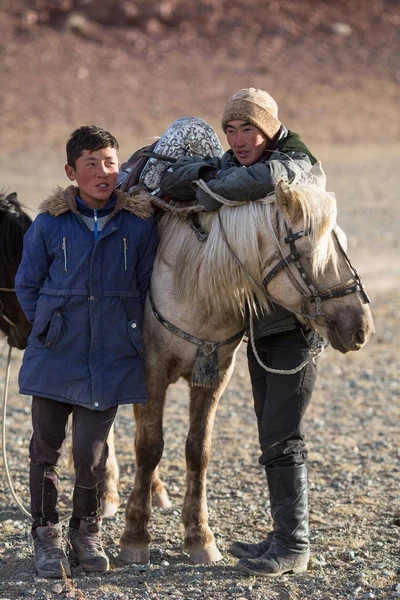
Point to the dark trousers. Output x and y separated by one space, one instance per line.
90 451
280 401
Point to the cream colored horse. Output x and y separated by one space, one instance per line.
202 288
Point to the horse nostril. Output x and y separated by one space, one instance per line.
360 336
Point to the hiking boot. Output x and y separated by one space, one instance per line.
244 550
50 558
86 546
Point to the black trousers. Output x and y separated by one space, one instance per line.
280 401
89 449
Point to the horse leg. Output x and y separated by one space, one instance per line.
199 539
159 493
149 444
110 501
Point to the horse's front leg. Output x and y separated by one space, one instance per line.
149 444
110 501
199 539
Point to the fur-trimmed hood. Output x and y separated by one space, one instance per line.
64 200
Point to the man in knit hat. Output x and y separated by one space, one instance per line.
262 152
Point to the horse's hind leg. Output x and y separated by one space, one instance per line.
149 444
199 539
110 501
159 493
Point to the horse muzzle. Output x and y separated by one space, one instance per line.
350 339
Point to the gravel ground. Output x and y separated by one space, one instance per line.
352 429
333 67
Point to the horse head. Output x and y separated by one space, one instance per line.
314 276
14 222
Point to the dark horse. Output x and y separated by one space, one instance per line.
14 222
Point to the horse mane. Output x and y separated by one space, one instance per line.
14 223
209 271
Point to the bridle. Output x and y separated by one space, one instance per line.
2 315
313 295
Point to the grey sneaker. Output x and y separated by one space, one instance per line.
86 546
50 558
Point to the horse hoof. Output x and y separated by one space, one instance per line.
205 556
109 509
161 500
135 556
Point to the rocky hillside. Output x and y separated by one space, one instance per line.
133 66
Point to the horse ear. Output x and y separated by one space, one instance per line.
288 201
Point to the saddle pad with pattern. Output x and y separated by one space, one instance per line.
188 136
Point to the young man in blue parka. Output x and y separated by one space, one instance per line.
262 152
82 283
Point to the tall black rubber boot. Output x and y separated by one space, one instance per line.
245 550
289 550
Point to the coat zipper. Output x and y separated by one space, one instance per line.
96 226
64 247
125 254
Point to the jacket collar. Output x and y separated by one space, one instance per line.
101 212
64 200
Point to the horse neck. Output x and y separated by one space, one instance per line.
207 272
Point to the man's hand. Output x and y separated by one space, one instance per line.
207 202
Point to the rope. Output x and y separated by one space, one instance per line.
314 353
5 462
204 187
4 450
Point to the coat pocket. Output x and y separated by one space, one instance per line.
136 337
50 333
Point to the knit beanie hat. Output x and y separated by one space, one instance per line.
253 106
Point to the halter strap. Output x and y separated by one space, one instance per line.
351 286
263 290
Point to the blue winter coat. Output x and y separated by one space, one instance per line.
85 300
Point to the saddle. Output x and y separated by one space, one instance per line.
130 171
188 136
